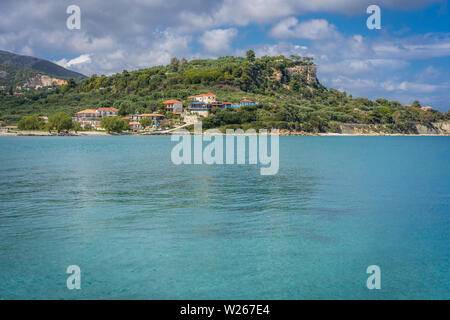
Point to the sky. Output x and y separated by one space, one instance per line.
407 59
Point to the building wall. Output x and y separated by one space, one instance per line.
205 99
108 113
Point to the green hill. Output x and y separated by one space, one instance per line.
47 67
287 89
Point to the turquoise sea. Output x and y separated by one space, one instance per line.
140 227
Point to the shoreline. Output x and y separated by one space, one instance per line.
285 134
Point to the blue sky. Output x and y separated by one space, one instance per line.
407 59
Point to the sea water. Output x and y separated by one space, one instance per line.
140 227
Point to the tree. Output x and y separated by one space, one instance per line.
416 104
113 124
251 55
174 63
60 121
146 122
32 122
182 64
76 126
71 83
294 85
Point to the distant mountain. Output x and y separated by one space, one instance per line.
47 67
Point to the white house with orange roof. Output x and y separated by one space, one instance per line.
108 112
88 117
92 117
207 98
134 125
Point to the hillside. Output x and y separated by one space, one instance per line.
47 67
289 94
16 79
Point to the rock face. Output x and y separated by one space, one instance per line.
308 72
39 81
3 74
441 127
437 128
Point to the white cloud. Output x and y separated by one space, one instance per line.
362 66
432 45
218 41
315 29
412 86
281 48
84 58
243 13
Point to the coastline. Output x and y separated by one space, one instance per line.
284 133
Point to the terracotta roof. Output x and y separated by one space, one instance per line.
150 115
88 111
171 101
209 94
126 118
108 109
132 123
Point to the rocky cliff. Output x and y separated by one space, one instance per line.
307 72
39 81
436 128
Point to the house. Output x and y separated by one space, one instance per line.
88 113
108 112
200 108
248 102
88 118
156 118
174 106
427 108
206 98
92 117
134 125
44 118
202 103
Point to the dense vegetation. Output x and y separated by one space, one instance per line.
114 124
289 95
59 122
